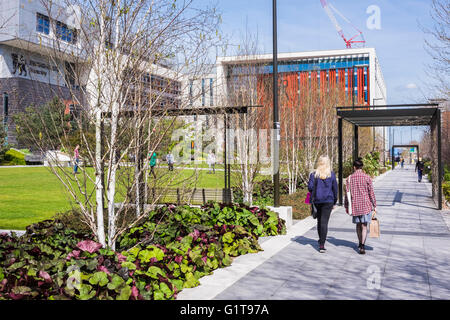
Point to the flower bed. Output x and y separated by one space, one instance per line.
169 251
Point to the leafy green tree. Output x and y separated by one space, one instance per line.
42 127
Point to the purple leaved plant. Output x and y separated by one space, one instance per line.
89 246
73 254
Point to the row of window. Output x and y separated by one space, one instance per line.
303 65
62 31
162 84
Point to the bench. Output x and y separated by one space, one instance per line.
190 196
34 159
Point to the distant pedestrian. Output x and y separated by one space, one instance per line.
153 157
419 169
362 198
76 158
323 186
211 160
403 163
170 160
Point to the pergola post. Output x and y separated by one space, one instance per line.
355 143
392 158
225 149
440 169
340 162
437 162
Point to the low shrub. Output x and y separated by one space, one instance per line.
300 210
447 173
13 157
446 190
372 164
263 191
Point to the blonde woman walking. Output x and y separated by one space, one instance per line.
323 187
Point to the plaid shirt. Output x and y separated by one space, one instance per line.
361 190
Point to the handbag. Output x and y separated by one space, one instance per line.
374 227
313 196
308 198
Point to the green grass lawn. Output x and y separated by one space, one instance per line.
29 195
32 194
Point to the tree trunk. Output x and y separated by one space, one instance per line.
99 183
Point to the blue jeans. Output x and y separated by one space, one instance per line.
75 167
419 174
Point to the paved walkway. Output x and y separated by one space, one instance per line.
411 259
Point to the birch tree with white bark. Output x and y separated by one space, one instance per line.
125 72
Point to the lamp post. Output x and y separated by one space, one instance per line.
276 121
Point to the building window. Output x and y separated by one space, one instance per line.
64 33
42 23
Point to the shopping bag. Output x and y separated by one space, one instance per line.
349 198
374 228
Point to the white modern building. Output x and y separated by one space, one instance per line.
328 66
41 46
28 76
349 71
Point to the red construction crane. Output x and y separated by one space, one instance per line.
348 43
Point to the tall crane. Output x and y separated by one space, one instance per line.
348 42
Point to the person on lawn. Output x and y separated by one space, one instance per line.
153 158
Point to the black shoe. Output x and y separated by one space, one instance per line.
362 250
322 249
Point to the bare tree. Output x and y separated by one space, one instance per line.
438 45
243 91
125 73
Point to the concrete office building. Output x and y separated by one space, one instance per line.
320 69
28 74
32 35
346 71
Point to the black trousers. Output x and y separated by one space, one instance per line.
323 216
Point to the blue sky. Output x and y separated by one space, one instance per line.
303 25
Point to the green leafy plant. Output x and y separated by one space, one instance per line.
171 250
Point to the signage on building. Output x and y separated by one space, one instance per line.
21 67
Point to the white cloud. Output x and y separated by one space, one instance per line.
411 86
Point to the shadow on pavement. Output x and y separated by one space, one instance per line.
336 242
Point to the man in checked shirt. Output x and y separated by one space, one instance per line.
363 201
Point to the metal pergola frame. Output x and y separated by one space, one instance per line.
402 146
198 111
388 116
